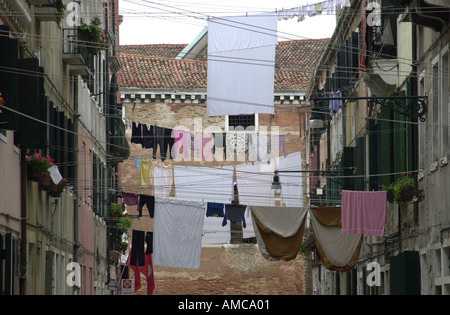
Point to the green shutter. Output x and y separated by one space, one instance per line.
48 272
9 80
33 103
405 273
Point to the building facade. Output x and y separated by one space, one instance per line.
391 66
58 90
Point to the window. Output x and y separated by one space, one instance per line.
241 121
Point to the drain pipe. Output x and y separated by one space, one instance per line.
23 223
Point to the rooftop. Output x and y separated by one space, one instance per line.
156 66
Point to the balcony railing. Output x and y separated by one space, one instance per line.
77 55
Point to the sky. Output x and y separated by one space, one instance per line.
180 21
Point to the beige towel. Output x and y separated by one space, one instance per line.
338 252
279 231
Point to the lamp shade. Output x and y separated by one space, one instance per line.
276 183
316 120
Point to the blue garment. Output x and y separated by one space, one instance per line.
335 105
234 213
215 209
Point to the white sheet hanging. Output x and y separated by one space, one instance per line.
254 184
291 183
241 64
177 236
214 232
213 184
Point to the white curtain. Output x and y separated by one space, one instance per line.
241 64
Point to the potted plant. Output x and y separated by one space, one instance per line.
401 190
37 166
56 190
122 221
124 224
116 210
93 36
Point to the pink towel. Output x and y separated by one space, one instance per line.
363 212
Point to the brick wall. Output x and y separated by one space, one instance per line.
234 270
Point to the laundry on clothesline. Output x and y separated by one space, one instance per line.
140 259
279 231
178 229
182 145
364 212
234 213
337 251
309 10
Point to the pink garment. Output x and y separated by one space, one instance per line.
183 139
130 199
363 212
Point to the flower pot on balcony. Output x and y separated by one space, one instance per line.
46 182
407 194
35 175
55 190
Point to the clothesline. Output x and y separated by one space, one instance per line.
309 10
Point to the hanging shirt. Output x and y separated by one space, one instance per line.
130 199
215 209
234 213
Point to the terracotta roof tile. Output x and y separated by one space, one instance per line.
295 61
159 72
157 50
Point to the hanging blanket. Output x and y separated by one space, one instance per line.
338 252
177 236
363 212
279 231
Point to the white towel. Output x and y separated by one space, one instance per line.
177 236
